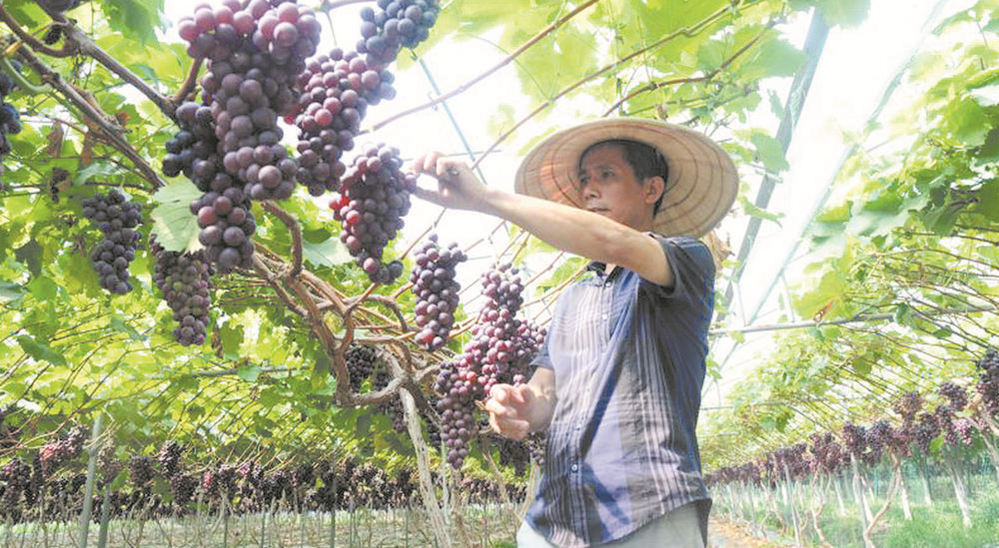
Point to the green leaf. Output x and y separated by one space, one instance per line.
770 152
987 201
176 229
249 373
102 170
31 255
136 19
328 253
39 351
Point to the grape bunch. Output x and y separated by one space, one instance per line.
117 220
10 118
456 406
360 364
58 452
392 406
226 223
988 380
955 394
373 198
140 472
502 345
907 407
182 487
169 458
436 291
193 150
927 428
254 57
395 24
855 439
185 280
336 91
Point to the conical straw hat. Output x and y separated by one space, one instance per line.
702 184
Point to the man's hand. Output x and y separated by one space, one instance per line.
457 186
509 410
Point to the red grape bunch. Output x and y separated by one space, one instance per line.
169 458
193 150
185 280
436 291
393 25
456 406
117 219
58 452
370 205
226 226
337 89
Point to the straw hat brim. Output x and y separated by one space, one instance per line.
702 184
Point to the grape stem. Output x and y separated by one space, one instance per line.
509 59
22 82
102 122
27 38
653 86
296 235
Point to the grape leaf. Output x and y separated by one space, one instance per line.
176 229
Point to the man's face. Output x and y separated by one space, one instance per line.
607 186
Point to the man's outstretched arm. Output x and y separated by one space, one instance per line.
573 230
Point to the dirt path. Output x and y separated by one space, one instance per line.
723 533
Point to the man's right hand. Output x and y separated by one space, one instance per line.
511 410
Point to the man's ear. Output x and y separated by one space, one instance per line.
655 189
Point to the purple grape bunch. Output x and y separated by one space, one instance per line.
227 224
394 24
988 380
957 395
360 360
436 291
117 219
336 91
373 199
185 281
456 406
193 150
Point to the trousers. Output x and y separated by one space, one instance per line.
680 528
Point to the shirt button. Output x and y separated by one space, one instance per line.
575 467
603 316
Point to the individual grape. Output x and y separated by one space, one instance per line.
372 201
394 24
436 291
185 281
117 220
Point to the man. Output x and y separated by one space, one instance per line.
618 381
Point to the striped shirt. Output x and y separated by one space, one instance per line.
629 361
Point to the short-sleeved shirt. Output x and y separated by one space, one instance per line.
628 357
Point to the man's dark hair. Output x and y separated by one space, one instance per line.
645 160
